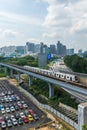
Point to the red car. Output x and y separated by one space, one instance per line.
25 119
31 112
20 106
1 120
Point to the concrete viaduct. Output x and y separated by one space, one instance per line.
82 108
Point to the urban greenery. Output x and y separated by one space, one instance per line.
60 95
41 87
76 63
85 54
84 127
40 90
26 60
2 72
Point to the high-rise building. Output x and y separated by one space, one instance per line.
61 49
30 47
80 52
42 59
70 51
8 51
52 49
20 50
64 52
41 47
42 56
37 48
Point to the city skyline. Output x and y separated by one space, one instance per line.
45 21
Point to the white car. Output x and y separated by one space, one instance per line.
12 109
12 116
22 115
14 121
3 125
25 106
7 109
9 123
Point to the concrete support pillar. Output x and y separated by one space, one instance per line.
51 90
11 73
30 80
19 76
82 116
6 71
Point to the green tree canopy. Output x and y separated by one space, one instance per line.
76 63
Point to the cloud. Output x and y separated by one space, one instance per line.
50 35
6 34
10 34
33 40
16 18
67 18
79 28
65 13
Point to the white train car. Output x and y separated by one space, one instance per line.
68 77
60 75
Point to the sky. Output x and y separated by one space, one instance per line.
47 21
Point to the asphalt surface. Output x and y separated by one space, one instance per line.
5 86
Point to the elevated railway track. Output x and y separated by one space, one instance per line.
73 86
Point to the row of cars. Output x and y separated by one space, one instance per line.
18 118
14 111
9 108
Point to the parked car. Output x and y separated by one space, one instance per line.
35 116
26 112
1 120
14 121
30 118
3 111
9 123
12 108
31 111
20 121
7 109
22 115
25 119
25 106
3 125
17 116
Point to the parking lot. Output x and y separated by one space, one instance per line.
17 111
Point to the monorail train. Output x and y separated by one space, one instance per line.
51 73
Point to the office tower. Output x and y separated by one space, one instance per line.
70 51
30 47
52 49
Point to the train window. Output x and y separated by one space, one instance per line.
71 78
67 77
57 75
